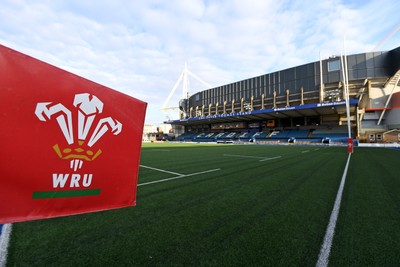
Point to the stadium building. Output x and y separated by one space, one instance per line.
305 103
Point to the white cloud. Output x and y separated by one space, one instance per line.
140 47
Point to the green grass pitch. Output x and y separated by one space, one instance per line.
233 205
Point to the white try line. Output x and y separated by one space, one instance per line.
251 157
323 258
160 170
4 240
174 178
270 158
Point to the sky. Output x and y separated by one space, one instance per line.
140 47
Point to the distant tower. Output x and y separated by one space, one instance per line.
183 103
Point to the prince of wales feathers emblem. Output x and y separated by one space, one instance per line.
88 107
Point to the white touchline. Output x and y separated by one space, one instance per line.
270 158
160 170
323 258
243 156
178 177
4 240
249 157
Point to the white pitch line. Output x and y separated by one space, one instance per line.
250 157
305 151
323 258
178 177
243 156
4 240
270 158
160 170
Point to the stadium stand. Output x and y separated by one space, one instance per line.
328 135
321 135
297 105
186 136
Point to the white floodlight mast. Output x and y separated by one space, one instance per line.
199 79
387 37
185 83
164 106
184 78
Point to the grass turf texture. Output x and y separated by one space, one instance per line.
368 231
251 212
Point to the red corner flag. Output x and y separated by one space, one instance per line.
67 145
350 145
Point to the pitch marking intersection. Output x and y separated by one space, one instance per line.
179 175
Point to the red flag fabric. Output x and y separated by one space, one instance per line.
350 145
67 145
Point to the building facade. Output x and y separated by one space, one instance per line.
308 95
